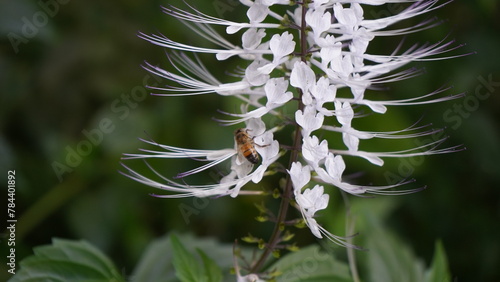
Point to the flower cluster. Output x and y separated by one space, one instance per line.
316 57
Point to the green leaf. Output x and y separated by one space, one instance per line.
156 264
438 271
388 257
67 260
187 268
311 264
212 270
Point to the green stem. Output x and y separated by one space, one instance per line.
288 191
349 226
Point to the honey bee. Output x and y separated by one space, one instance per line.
246 145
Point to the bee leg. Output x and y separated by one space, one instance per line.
253 137
258 145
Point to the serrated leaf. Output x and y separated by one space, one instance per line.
187 267
311 264
438 271
156 264
212 270
67 260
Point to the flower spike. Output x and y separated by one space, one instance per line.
309 69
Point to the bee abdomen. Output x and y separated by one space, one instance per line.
251 155
246 146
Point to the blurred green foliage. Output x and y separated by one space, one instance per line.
187 258
77 68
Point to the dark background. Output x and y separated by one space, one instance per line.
64 89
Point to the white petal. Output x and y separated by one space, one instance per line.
309 120
252 38
281 45
376 107
302 76
267 69
344 112
335 166
351 141
255 77
373 159
314 152
275 89
256 126
257 12
300 175
313 225
318 20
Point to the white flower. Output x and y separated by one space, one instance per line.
331 49
319 21
241 169
258 11
303 77
277 96
313 151
312 61
300 175
254 76
310 201
252 38
323 93
281 46
276 92
349 18
332 174
248 278
309 120
345 114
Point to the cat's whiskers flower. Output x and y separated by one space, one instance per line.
314 58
